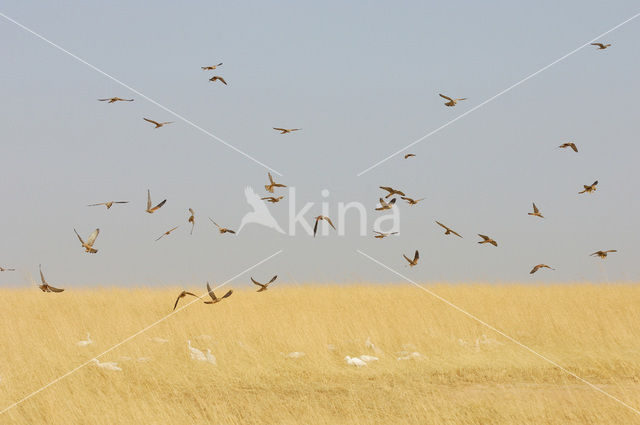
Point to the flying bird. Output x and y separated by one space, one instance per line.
569 145
601 46
192 220
603 254
115 99
384 205
451 102
157 207
319 218
45 287
88 246
263 286
217 78
221 229
272 184
182 295
409 155
536 212
108 204
167 233
589 189
412 201
392 191
381 235
286 130
215 299
158 124
413 262
211 68
448 231
272 199
540 266
2 269
487 239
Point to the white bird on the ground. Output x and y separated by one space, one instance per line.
295 355
410 356
195 353
86 342
355 361
211 358
107 365
368 358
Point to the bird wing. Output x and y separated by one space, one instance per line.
272 279
455 233
388 189
486 238
257 283
214 223
148 199
79 237
383 203
151 121
442 225
612 250
279 129
222 79
159 205
52 289
595 183
574 147
329 220
271 179
177 299
535 269
95 205
597 44
393 201
92 237
445 97
210 292
228 294
191 211
416 256
41 275
535 209
406 258
231 231
315 227
103 100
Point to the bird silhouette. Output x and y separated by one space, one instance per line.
413 262
452 102
487 239
88 245
569 145
263 286
601 46
215 299
536 212
260 213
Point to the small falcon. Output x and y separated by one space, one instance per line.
222 229
182 295
413 262
487 239
167 233
409 155
603 254
540 266
157 124
88 246
272 199
601 46
589 189
215 299
157 207
45 287
115 99
2 269
192 220
318 219
384 205
569 145
108 204
448 231
210 68
217 78
392 191
286 130
269 187
263 286
380 235
412 201
536 212
452 102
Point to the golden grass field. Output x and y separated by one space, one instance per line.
593 330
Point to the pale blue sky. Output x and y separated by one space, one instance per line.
362 80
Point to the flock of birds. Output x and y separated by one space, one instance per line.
384 204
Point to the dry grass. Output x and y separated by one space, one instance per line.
591 329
